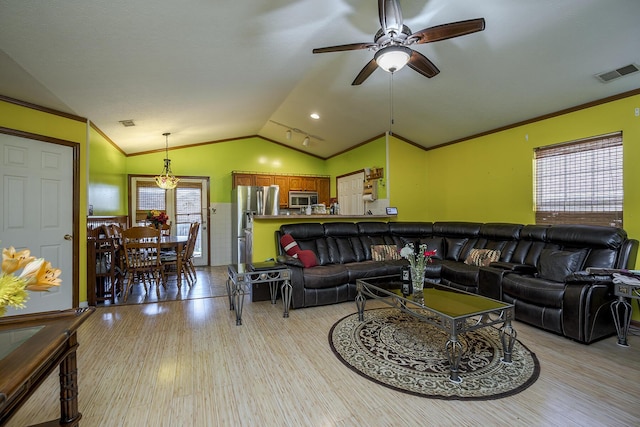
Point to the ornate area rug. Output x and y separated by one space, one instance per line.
403 353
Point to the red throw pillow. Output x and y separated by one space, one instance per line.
308 258
289 245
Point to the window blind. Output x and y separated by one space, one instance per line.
580 182
148 196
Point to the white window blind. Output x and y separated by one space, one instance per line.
580 182
148 196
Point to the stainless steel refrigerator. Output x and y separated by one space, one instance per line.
246 202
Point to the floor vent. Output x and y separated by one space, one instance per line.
617 73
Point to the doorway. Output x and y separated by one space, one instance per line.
187 203
37 194
350 189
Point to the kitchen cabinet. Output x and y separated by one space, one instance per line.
264 180
286 183
309 183
295 183
283 183
323 187
243 179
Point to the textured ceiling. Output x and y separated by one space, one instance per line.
212 70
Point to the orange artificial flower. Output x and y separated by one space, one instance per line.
40 275
13 261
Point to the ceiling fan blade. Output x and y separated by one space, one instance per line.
390 16
421 64
447 31
343 47
365 72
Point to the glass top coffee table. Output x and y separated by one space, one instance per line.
452 311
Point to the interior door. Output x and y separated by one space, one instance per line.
37 211
350 194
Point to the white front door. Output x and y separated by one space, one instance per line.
37 211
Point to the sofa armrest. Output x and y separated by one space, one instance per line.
586 306
289 261
584 277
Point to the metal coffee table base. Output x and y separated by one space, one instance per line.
452 326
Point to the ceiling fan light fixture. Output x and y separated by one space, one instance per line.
166 180
392 58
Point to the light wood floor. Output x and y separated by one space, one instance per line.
186 363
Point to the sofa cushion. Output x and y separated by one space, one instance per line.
384 252
458 273
289 245
536 291
556 264
325 276
308 258
434 244
482 257
454 247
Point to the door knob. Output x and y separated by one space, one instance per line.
68 237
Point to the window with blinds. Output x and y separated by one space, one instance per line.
580 182
148 196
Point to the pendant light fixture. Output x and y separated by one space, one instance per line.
166 179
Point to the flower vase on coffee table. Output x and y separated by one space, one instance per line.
417 281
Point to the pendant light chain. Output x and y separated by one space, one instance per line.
391 106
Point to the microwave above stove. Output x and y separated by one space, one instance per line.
301 199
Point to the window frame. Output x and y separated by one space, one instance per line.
590 191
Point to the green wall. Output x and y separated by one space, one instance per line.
372 154
490 178
107 177
218 160
409 186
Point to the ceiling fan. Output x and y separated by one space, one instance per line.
391 42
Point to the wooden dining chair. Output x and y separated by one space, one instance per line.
191 245
165 229
170 260
142 256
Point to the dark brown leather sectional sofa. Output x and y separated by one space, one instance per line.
541 269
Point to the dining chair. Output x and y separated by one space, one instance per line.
170 260
191 245
142 256
165 229
101 271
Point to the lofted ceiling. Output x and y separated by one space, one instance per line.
208 70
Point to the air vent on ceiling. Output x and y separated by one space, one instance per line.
127 123
617 73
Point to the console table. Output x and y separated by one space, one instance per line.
242 276
31 347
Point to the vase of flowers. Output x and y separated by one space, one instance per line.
418 259
157 218
37 275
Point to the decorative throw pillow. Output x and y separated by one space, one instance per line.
384 252
289 245
482 257
308 258
556 265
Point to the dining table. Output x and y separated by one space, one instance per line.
177 244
